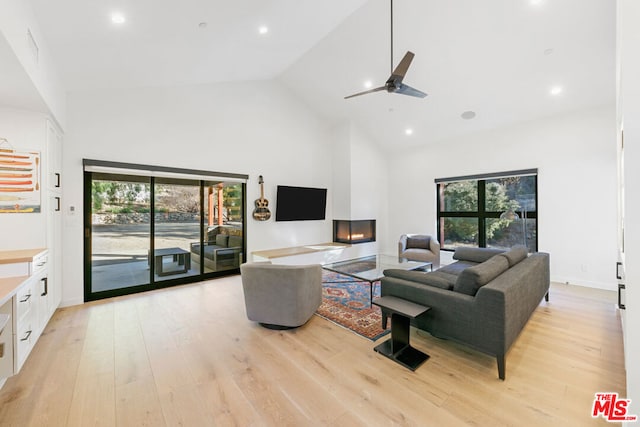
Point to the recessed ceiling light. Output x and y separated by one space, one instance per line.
202 25
118 18
535 2
408 131
368 84
556 90
263 30
468 115
548 52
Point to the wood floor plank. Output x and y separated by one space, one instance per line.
137 404
224 400
189 356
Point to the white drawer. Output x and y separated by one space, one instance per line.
39 262
6 344
23 299
25 338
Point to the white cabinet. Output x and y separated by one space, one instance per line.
54 215
54 244
42 295
25 317
29 303
6 340
53 164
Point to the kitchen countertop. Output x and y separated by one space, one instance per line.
20 255
8 286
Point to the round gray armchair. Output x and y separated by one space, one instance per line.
281 296
419 247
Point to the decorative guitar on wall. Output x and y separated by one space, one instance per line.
261 212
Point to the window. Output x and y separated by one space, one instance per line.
495 210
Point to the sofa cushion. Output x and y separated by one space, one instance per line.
431 279
515 254
414 254
235 241
221 240
457 267
418 242
473 278
475 254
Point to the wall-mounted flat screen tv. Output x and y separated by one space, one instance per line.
300 203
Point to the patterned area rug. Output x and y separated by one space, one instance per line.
345 301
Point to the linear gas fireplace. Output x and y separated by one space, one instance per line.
359 231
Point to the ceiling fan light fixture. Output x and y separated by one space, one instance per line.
394 82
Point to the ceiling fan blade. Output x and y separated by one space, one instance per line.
408 90
401 70
378 89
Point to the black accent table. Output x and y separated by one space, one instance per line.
397 348
179 255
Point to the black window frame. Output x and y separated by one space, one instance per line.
482 214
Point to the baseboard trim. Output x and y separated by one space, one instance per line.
607 286
71 302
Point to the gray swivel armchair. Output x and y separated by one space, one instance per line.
281 296
419 247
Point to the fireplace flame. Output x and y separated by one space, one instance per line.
354 231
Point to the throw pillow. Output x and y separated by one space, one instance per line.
473 278
418 242
221 240
516 254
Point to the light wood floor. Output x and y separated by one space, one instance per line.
188 356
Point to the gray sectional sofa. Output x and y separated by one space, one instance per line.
483 300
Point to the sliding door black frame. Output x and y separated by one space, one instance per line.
90 295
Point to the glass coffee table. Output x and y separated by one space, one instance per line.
370 269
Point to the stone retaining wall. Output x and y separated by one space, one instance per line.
143 218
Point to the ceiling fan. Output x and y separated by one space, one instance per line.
394 82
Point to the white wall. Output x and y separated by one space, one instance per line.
16 18
576 160
359 179
369 177
341 169
24 130
629 114
251 128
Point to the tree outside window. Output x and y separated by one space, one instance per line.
496 211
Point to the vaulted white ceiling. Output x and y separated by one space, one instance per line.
169 42
497 58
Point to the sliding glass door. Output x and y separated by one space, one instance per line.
120 232
176 227
142 232
223 247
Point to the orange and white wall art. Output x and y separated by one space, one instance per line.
19 181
